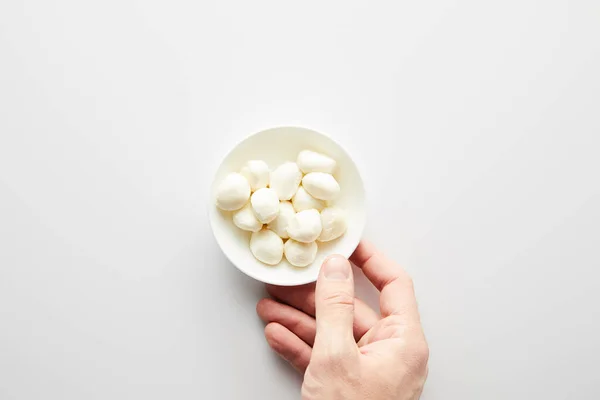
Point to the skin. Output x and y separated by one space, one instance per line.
345 349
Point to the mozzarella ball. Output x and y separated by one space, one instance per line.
279 225
304 201
265 204
233 192
333 220
310 161
300 254
257 173
245 219
305 227
285 180
266 246
321 185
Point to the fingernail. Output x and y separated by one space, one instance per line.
337 268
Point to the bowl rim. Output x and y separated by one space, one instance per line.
211 204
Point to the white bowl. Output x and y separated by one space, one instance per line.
276 146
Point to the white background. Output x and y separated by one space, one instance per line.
476 125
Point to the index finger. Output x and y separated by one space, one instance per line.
395 285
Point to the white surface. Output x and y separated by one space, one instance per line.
114 116
277 146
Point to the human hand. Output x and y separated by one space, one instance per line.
344 348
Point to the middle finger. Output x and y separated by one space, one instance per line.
301 324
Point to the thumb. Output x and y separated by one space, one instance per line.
334 303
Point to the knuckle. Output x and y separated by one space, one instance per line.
295 355
341 299
403 279
419 354
422 352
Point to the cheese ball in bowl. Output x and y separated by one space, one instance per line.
277 147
